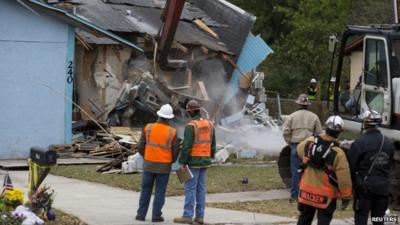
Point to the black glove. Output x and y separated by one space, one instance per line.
345 203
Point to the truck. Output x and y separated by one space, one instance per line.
366 68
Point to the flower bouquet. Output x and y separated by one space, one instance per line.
41 201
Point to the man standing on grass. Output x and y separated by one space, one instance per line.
297 127
198 149
159 146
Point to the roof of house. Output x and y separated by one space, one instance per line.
76 21
144 17
112 17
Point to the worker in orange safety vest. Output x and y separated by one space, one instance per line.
159 145
325 175
198 149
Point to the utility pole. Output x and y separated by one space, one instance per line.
396 12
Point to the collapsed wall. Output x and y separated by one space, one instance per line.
106 77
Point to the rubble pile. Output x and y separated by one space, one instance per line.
252 132
90 140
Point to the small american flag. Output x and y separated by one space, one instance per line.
7 184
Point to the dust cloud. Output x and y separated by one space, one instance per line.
248 136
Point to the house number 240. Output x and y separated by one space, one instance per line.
70 72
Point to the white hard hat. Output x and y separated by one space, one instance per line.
334 126
166 112
334 123
371 117
313 80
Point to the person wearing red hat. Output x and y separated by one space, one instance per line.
197 152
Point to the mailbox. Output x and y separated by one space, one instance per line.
43 156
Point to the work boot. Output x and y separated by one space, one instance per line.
183 220
198 221
140 218
158 219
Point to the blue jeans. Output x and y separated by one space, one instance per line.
148 180
195 193
294 168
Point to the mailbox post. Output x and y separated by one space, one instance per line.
41 161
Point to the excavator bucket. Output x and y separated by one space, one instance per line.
284 165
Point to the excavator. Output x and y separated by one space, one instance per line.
366 68
367 77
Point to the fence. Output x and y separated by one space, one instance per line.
288 106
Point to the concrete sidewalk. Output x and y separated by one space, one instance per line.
98 204
244 196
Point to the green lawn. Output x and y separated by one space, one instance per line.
279 207
220 179
347 135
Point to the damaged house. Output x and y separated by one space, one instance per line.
119 61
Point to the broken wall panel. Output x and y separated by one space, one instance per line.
253 53
100 75
112 76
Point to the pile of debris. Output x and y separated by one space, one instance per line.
91 140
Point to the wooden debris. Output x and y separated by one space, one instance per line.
62 148
120 143
134 132
181 47
84 43
189 76
108 149
230 61
203 90
180 88
205 27
87 147
116 162
204 50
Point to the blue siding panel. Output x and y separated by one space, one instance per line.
33 50
254 51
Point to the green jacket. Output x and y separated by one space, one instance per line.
186 159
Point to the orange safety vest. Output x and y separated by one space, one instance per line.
203 133
159 139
